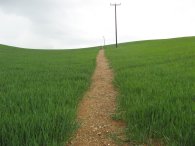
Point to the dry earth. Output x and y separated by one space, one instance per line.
96 109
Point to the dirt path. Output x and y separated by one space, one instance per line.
97 127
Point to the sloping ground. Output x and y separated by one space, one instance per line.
95 111
39 94
156 82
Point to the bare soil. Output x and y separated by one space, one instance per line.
97 128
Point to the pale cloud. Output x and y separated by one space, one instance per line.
78 23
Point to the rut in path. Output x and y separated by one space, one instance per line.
94 114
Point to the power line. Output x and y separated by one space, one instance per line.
116 33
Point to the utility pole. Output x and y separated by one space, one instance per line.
104 40
116 33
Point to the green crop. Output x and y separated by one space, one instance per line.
39 94
156 82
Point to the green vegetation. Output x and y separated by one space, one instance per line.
39 93
156 81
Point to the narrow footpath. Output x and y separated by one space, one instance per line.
97 128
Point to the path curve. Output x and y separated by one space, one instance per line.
95 110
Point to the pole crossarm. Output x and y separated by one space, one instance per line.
115 4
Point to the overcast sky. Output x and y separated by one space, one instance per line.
55 24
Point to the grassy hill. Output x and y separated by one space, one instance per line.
156 81
39 93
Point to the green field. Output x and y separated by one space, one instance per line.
156 83
39 94
40 91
